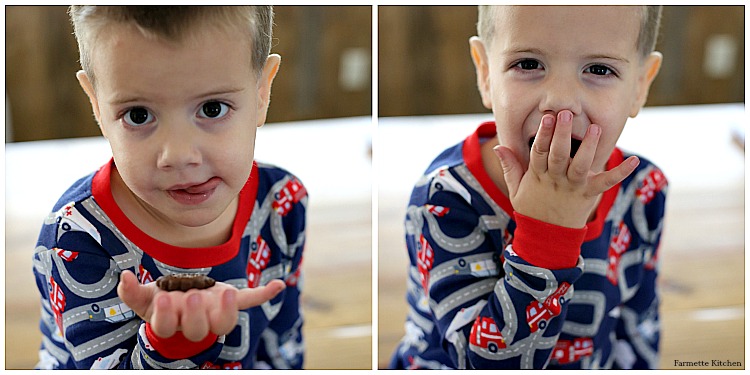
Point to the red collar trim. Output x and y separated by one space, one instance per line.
182 257
473 158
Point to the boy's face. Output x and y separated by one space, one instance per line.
180 117
547 59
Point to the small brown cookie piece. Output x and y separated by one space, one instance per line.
184 282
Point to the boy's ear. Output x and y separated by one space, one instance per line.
648 72
270 68
88 88
479 56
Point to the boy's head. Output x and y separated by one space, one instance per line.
597 62
178 93
172 23
650 19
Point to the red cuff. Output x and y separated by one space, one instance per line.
547 245
177 346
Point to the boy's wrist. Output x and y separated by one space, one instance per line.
178 346
547 245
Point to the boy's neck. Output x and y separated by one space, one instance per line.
495 170
141 215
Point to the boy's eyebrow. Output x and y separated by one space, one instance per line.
221 91
119 100
595 56
608 57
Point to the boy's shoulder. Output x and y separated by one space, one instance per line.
77 192
646 180
272 171
280 186
274 178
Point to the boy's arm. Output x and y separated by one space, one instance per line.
84 323
638 328
484 317
282 345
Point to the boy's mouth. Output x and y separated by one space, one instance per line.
574 145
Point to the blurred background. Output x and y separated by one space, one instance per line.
692 127
321 103
424 66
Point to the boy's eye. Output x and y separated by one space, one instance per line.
599 70
213 110
528 64
137 116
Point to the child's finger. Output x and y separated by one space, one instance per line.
223 318
580 167
539 156
251 297
194 322
136 296
559 149
164 319
512 170
606 180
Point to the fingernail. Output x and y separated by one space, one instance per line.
634 162
594 129
547 121
496 149
566 116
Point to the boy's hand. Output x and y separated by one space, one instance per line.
195 312
557 189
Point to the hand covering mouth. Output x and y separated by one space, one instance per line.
574 145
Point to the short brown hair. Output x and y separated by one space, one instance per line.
173 23
650 20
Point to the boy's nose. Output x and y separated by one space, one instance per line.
560 93
179 148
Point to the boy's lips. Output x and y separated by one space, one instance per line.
574 145
194 193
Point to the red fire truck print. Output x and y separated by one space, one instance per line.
617 247
290 194
652 184
258 261
567 351
485 334
57 302
66 255
538 313
438 211
425 258
143 275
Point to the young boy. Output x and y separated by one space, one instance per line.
533 243
178 92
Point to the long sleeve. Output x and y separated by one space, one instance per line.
87 242
84 323
487 311
638 328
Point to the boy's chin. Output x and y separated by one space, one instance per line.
574 145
